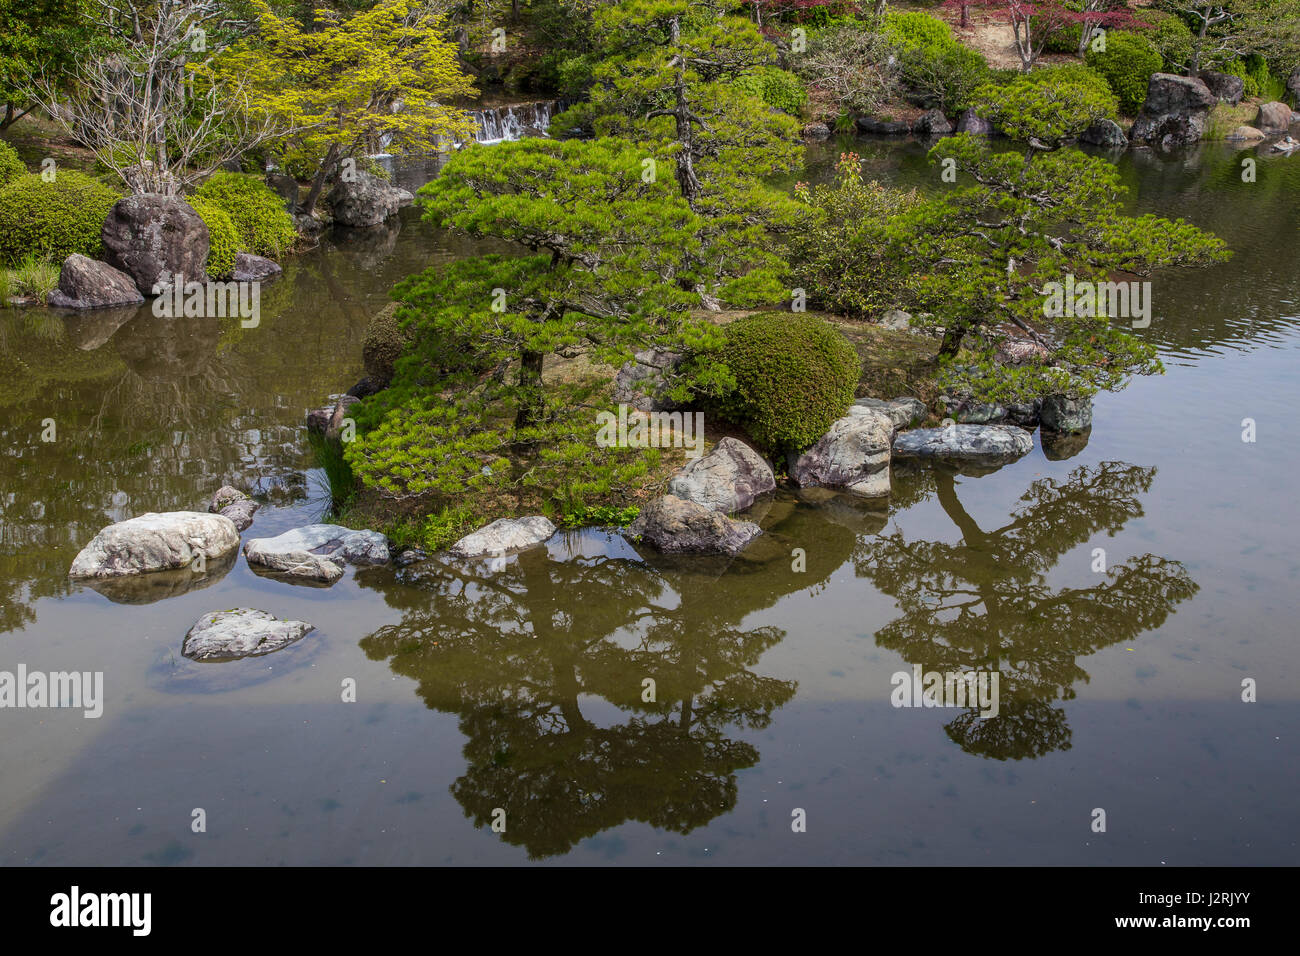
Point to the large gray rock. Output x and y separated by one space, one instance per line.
932 123
241 632
154 239
640 383
365 200
1245 135
316 552
1105 133
155 542
251 268
904 412
971 122
1175 112
86 283
882 127
1060 413
974 444
1273 117
504 535
854 454
964 410
675 526
727 479
1230 89
235 505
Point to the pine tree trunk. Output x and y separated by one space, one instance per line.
530 386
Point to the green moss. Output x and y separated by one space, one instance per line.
385 341
795 375
223 238
52 220
265 227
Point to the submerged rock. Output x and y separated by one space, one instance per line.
241 632
854 454
1060 413
155 542
675 526
317 552
728 479
1104 133
251 268
365 200
235 505
86 283
503 535
977 444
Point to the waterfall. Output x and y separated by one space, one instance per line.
500 124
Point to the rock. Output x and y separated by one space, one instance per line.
904 412
896 320
1174 113
328 419
308 226
932 123
1230 89
640 383
962 410
1287 144
728 479
504 535
385 340
155 239
155 542
365 200
365 388
317 552
1273 117
1014 348
1245 134
1061 413
235 505
1293 86
854 454
816 131
976 444
1058 446
251 268
241 632
675 526
286 187
85 283
1105 133
409 557
971 122
882 127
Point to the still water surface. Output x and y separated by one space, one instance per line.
521 687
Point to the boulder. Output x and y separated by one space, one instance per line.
154 239
1104 133
365 200
286 187
328 419
235 505
640 383
155 542
86 283
882 127
675 526
385 340
251 268
971 122
316 552
816 131
904 412
504 535
241 632
854 454
896 320
1245 134
1228 88
1175 112
974 444
1273 117
1060 413
728 479
932 123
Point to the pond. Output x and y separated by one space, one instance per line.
502 711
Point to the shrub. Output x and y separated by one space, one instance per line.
775 87
795 375
1127 64
933 64
1049 105
11 167
1172 37
265 227
52 220
223 237
913 30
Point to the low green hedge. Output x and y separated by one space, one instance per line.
265 227
52 220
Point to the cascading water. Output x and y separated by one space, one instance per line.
502 124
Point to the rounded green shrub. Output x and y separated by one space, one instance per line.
916 30
775 87
1173 39
938 70
265 226
11 167
52 220
1127 64
795 375
223 237
384 343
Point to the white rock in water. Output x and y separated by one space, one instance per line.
504 534
727 479
317 552
242 632
155 542
981 444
